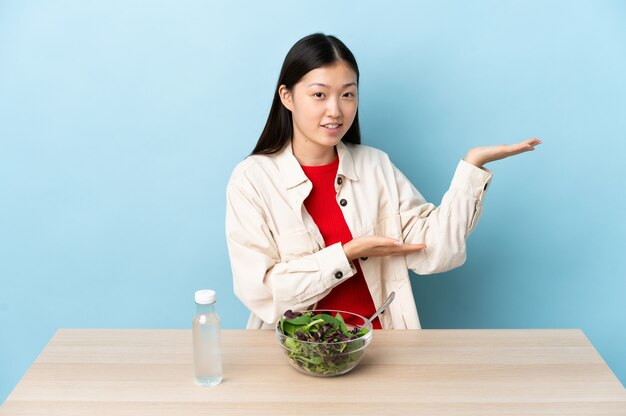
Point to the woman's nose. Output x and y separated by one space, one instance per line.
333 110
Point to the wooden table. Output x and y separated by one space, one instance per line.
412 372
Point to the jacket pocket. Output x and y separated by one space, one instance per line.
389 227
295 245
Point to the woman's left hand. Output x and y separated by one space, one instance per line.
478 156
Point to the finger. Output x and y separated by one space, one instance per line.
388 242
530 143
533 143
411 248
524 146
404 246
414 246
377 240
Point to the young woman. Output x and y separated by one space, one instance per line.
314 219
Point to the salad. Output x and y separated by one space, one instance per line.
320 343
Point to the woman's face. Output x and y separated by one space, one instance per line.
323 105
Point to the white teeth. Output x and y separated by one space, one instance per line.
331 126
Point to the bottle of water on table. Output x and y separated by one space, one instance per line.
207 358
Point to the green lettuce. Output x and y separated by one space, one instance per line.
325 350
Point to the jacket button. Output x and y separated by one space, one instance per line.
343 202
339 180
338 275
363 258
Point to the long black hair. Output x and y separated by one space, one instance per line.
310 52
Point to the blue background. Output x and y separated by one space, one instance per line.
120 122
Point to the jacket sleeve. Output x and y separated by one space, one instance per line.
267 285
444 229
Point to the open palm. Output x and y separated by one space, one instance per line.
484 154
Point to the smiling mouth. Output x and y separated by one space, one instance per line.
331 126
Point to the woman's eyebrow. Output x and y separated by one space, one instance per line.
324 85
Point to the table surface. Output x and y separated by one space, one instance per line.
429 372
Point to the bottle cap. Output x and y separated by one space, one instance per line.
204 297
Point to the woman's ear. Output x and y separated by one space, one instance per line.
285 97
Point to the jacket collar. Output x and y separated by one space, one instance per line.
292 172
346 163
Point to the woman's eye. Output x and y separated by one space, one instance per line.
349 94
319 94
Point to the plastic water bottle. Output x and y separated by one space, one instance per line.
207 358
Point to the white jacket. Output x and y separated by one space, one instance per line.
278 257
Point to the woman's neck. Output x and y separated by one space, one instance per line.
312 154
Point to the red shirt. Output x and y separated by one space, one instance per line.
353 294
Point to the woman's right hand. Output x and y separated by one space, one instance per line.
374 246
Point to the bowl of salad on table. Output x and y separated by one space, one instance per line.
321 343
